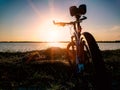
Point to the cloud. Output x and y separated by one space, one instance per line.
116 28
115 32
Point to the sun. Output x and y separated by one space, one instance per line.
49 32
53 36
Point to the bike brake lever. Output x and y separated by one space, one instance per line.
84 17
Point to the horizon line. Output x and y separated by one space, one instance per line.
105 41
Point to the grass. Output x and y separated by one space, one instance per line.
48 69
112 61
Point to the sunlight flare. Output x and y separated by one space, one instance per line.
49 32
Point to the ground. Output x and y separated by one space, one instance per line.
48 69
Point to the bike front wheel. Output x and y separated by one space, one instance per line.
94 63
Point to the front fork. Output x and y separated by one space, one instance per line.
79 55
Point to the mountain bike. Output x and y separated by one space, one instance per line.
84 53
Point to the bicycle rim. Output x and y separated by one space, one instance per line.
94 63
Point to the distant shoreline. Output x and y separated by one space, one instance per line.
33 42
117 41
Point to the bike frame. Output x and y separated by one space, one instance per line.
79 56
79 45
77 34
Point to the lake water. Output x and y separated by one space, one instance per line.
22 47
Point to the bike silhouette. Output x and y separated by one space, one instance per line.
84 53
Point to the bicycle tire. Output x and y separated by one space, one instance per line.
101 81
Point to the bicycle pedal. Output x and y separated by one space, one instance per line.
80 68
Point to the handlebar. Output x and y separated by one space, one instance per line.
63 23
69 23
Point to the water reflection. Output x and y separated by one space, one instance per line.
23 47
109 46
57 44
